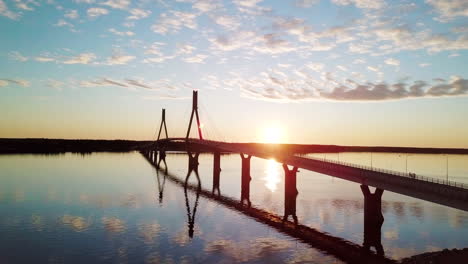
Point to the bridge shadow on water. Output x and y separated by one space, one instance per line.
344 250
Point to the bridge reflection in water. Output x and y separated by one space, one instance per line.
335 246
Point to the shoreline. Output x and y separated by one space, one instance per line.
43 146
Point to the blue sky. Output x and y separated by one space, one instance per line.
104 68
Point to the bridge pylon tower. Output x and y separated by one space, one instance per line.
194 112
163 123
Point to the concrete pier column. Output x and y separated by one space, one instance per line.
290 192
162 157
216 172
373 219
245 179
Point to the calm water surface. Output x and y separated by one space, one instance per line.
107 208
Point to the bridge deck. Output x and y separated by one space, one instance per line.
434 190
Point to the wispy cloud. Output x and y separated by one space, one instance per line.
4 11
391 61
199 58
121 33
136 14
448 9
174 21
367 4
119 59
83 58
20 82
16 56
97 11
71 14
118 4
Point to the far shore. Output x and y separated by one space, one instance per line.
44 146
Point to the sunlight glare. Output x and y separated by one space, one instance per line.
272 134
272 177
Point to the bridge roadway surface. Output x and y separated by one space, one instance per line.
344 250
438 191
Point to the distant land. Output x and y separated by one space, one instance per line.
42 145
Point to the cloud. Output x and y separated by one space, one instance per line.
273 44
130 83
15 55
402 38
97 11
63 23
391 61
305 3
55 84
227 22
234 41
121 33
174 22
185 49
137 14
247 3
83 58
424 65
268 86
6 82
199 58
118 4
119 59
139 83
71 14
84 1
44 58
206 5
102 82
317 67
4 11
366 4
449 9
26 6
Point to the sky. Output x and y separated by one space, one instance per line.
346 72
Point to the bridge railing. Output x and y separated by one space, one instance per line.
392 172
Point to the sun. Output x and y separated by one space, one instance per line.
272 134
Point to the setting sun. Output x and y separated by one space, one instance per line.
272 134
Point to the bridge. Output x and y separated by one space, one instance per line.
344 250
438 191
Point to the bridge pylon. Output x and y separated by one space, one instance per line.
194 112
163 123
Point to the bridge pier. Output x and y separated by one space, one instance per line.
373 219
290 192
245 179
162 158
193 161
153 156
216 172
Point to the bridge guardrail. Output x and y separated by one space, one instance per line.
396 173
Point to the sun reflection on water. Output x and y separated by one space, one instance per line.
272 177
